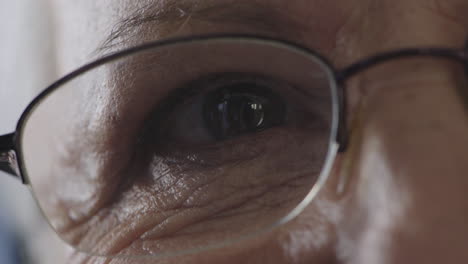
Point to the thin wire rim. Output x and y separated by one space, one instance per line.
325 170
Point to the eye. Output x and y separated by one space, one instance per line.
220 107
240 108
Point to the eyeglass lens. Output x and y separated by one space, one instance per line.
179 147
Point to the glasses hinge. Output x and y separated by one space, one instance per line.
8 158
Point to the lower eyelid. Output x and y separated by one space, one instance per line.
297 118
249 147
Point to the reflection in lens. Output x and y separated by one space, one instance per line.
179 147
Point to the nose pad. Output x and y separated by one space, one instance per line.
408 201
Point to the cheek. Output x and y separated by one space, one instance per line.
309 238
169 203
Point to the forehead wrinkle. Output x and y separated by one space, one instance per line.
171 14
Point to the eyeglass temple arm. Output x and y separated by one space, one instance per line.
8 160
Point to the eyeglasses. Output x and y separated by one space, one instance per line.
186 144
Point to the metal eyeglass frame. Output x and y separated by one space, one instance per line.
10 144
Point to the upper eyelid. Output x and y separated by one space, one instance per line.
192 89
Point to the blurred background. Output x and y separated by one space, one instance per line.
26 67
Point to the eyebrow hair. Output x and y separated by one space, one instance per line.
177 13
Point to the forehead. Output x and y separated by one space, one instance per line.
341 29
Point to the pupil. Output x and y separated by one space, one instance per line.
242 108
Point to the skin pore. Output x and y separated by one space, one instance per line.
404 197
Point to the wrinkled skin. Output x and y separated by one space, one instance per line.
405 198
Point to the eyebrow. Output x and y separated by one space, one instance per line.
176 14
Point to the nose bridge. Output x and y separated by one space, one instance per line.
412 165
